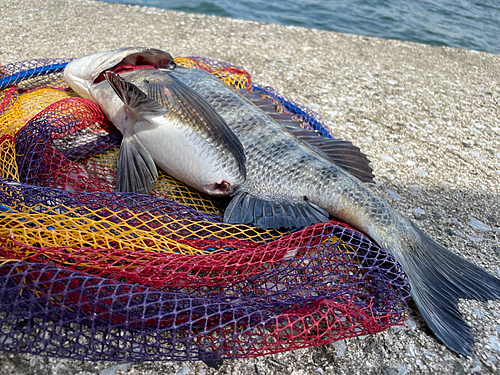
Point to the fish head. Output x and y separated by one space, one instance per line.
84 73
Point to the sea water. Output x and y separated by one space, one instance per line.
456 23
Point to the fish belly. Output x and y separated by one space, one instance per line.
176 148
185 156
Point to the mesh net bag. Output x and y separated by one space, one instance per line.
90 274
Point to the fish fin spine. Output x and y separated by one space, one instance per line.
342 153
136 101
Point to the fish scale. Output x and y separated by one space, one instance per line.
278 170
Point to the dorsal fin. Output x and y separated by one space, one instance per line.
342 153
256 94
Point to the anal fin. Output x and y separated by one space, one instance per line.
268 213
136 170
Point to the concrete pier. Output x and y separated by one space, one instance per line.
428 118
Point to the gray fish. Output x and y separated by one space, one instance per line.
291 178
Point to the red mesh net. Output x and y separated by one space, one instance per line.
91 274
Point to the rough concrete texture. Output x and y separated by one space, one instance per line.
428 117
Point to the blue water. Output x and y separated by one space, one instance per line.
456 23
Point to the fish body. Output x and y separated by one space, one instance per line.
285 172
295 178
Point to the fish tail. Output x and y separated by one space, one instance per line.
438 278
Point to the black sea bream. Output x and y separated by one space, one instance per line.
279 175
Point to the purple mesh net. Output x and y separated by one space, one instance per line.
89 274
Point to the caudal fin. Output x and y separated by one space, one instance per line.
438 278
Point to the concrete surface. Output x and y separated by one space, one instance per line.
428 117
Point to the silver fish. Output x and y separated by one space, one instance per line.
292 178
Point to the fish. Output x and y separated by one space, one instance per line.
287 177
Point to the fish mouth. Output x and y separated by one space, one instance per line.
143 58
84 73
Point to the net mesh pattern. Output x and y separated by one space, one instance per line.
90 274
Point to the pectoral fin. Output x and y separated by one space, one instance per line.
187 104
136 170
134 99
267 213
